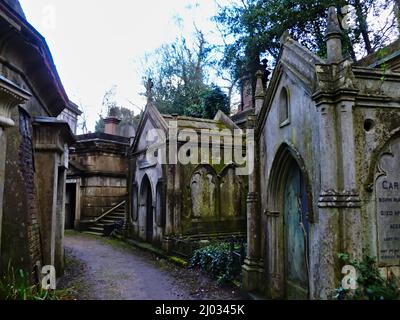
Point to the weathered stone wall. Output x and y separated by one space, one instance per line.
342 131
214 200
22 236
299 134
101 193
20 233
377 132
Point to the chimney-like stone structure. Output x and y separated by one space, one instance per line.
111 125
333 38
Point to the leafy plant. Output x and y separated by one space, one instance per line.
14 285
370 283
218 261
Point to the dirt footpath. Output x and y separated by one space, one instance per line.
106 269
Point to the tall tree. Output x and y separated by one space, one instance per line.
180 72
257 25
127 116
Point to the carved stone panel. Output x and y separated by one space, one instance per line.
231 197
203 193
388 206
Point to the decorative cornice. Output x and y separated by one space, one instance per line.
51 134
10 97
339 199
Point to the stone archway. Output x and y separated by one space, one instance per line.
289 215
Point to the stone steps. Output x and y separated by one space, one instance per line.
99 228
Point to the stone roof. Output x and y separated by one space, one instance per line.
16 6
196 123
100 136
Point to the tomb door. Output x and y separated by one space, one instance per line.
296 234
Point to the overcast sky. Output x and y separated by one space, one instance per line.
100 43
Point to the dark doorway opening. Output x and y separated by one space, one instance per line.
70 201
149 216
146 199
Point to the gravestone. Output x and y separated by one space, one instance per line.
388 206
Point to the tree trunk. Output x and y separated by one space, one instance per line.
397 12
362 22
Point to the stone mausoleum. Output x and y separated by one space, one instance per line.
97 177
328 140
174 204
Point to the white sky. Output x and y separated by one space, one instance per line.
100 43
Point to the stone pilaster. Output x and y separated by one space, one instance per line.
51 140
253 266
339 216
10 97
132 197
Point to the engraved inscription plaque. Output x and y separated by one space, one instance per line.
388 206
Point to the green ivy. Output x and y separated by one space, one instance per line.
370 284
217 260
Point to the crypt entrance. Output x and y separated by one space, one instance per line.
296 234
288 228
146 208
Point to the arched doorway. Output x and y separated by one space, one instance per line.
146 200
287 226
296 234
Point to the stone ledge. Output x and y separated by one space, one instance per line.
158 252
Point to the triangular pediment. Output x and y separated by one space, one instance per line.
299 64
151 119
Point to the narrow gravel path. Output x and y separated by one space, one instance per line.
105 269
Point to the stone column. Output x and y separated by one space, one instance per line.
169 207
10 97
51 140
253 266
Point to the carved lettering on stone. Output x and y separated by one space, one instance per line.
388 206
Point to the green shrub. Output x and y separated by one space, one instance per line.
370 284
14 285
217 261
